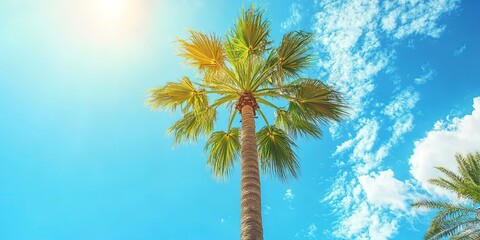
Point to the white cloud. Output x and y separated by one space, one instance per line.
401 103
366 223
415 17
266 209
349 34
459 51
382 228
383 189
347 37
289 196
438 148
428 74
399 110
356 39
312 231
294 18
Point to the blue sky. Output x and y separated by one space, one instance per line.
82 157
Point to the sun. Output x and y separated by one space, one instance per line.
110 21
112 9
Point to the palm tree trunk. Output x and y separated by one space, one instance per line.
251 207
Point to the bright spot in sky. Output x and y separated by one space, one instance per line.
112 9
110 22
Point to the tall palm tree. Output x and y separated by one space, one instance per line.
455 220
246 73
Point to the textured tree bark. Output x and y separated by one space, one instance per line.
251 207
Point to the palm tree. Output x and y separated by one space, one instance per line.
455 220
245 73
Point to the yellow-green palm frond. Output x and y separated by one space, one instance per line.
193 124
451 221
178 94
472 233
225 100
293 54
249 36
205 52
251 74
213 77
296 126
311 99
460 184
223 150
455 220
276 153
469 166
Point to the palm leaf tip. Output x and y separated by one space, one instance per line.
203 51
249 36
178 94
276 152
312 99
223 150
293 53
193 125
296 126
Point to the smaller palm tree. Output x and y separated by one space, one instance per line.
455 220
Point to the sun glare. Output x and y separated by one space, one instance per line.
110 21
112 9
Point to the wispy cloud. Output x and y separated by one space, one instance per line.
312 231
289 196
295 16
266 209
428 74
459 51
358 39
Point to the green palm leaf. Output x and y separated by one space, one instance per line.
311 99
276 153
192 125
293 53
223 149
295 125
249 36
176 94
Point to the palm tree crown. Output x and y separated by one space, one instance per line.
246 73
455 220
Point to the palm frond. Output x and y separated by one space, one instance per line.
178 94
460 184
311 99
249 36
455 220
251 73
445 184
193 124
468 166
204 52
296 126
450 174
276 153
293 54
472 233
451 228
451 219
225 99
223 150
